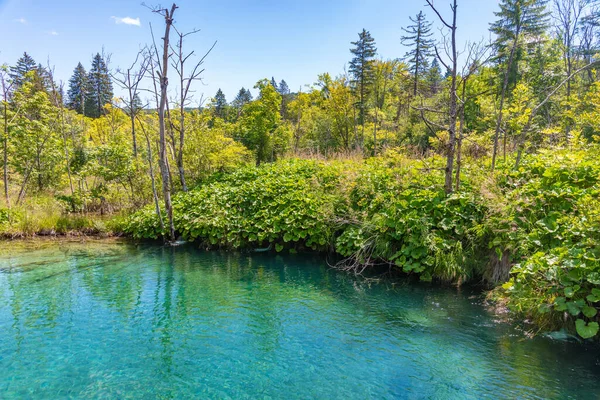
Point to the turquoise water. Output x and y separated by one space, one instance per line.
114 320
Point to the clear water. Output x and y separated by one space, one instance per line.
110 320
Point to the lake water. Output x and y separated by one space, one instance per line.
116 320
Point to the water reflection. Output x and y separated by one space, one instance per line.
119 320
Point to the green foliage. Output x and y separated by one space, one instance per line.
290 204
34 144
78 85
418 38
144 224
47 216
361 69
553 231
409 220
259 123
98 90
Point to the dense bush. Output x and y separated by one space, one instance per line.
405 218
291 205
551 226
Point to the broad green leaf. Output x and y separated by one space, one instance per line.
586 331
589 312
573 308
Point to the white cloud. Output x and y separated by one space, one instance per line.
53 33
127 20
21 21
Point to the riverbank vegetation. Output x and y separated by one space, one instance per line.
459 162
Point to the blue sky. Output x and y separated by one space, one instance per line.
291 40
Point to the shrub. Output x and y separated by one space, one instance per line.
552 229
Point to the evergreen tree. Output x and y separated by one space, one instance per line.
78 84
361 69
418 39
243 97
434 77
100 90
220 104
517 19
284 91
274 84
283 88
19 72
45 82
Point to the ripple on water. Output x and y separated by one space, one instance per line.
124 321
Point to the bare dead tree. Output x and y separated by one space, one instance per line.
185 82
152 72
162 64
452 66
130 79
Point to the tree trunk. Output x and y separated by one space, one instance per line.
67 157
5 154
133 137
461 128
417 57
164 83
453 109
23 186
132 112
503 96
375 133
181 139
152 178
568 107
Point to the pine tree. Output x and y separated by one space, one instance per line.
284 91
418 39
78 84
517 19
243 97
361 69
45 79
248 96
434 77
24 65
283 88
274 83
100 90
220 104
